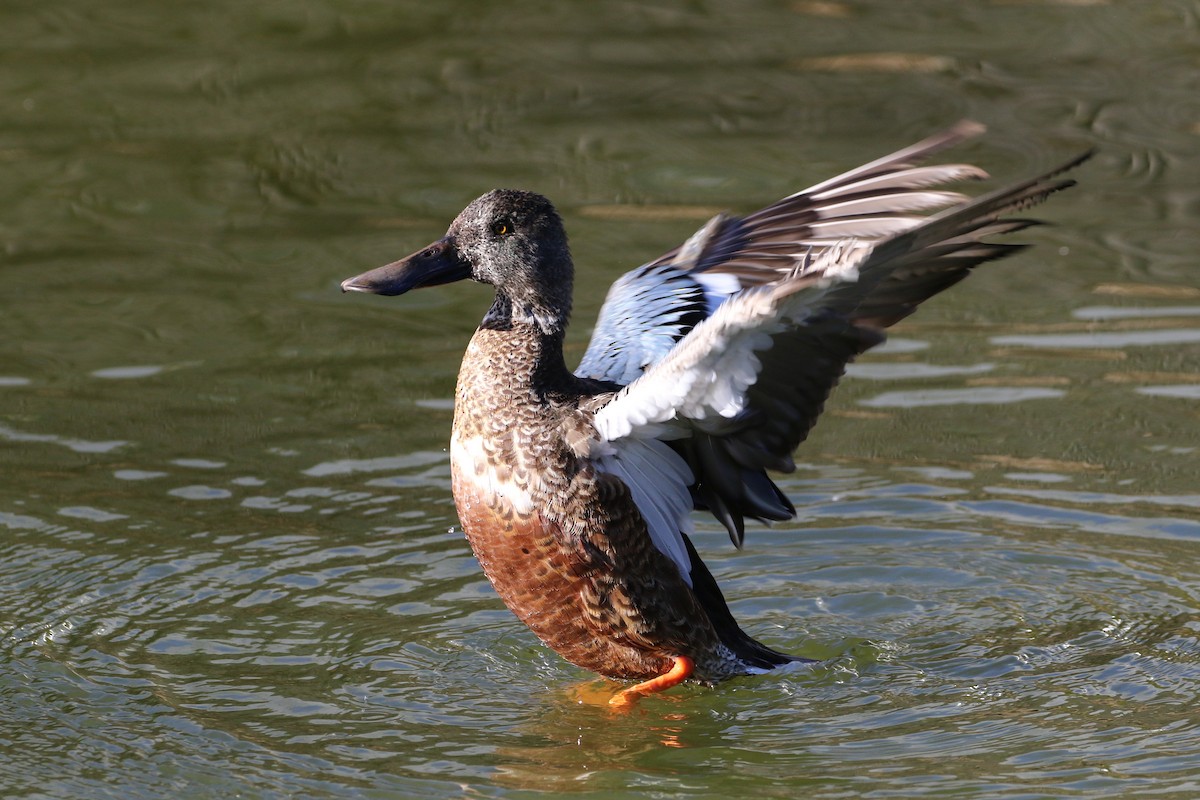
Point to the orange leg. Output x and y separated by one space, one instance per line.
679 672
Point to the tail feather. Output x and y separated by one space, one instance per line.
750 652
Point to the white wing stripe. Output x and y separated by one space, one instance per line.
684 381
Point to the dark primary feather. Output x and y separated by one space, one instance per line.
913 258
804 363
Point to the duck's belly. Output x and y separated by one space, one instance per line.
540 581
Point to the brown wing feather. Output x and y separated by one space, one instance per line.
867 202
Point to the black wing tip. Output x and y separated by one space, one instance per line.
1076 160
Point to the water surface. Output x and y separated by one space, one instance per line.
229 562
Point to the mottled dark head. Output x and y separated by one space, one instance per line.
510 239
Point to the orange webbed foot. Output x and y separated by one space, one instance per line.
679 672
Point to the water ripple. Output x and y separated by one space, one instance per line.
1102 340
991 395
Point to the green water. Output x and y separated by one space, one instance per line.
229 561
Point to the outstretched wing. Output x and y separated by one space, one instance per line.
652 307
743 388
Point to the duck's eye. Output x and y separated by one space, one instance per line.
502 228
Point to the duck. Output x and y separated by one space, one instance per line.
706 369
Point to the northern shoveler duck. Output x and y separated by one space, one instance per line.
708 367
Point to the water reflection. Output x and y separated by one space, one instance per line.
122 373
1189 392
78 445
984 395
875 371
1101 313
1113 340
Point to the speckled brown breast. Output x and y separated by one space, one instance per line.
545 586
563 544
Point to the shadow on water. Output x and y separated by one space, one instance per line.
229 562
